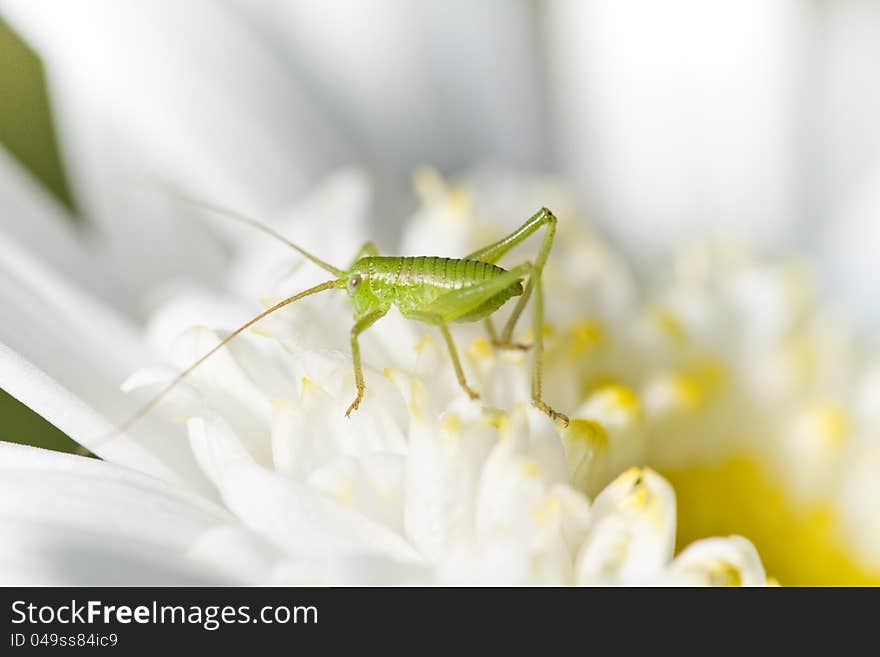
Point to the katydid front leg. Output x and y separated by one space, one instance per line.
367 249
360 326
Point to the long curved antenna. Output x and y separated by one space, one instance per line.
237 216
143 410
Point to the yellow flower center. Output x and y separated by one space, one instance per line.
800 543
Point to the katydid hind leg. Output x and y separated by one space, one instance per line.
495 251
535 279
534 287
495 341
538 354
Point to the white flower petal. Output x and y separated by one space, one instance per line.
75 521
219 110
539 552
605 438
731 561
238 553
359 570
443 466
632 534
312 430
217 116
66 350
294 516
246 557
499 561
371 484
516 477
37 221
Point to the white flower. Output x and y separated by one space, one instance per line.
723 372
420 485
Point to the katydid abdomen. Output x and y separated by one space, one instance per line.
414 284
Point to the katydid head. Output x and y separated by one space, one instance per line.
358 284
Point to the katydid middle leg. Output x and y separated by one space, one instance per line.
437 320
496 341
458 303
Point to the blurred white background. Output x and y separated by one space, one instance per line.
674 119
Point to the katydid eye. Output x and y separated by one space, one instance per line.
354 282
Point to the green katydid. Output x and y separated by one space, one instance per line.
429 289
